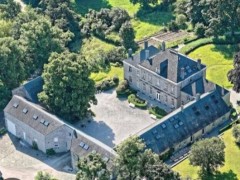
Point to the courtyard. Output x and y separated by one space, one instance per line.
115 120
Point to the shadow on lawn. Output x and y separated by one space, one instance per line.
227 51
230 175
82 6
154 16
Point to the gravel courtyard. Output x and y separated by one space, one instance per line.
115 120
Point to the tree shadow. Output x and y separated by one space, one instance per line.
154 16
227 51
230 175
82 6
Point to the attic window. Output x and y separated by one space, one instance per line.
42 121
82 144
15 105
176 126
207 107
35 117
197 113
25 111
158 137
155 131
180 123
46 123
105 159
86 147
164 126
194 108
216 101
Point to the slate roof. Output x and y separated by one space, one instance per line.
201 86
32 109
179 125
172 60
137 58
82 146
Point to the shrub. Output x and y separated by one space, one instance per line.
236 133
116 79
158 112
140 103
107 84
122 89
200 30
3 131
34 145
50 152
173 26
181 20
167 154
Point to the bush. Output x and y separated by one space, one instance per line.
3 131
139 103
236 133
167 154
229 126
204 41
181 20
116 80
200 30
173 26
107 84
34 145
122 88
50 152
158 112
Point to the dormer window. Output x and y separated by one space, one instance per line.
130 69
15 105
25 111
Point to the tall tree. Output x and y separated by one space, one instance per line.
10 9
127 35
234 74
92 167
208 154
68 90
39 39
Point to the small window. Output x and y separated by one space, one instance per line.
203 131
35 117
55 139
150 90
130 79
191 138
15 105
138 73
130 69
25 111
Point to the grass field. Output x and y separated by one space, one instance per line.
219 60
98 77
144 25
231 169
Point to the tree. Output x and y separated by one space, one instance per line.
5 95
134 161
10 9
68 90
5 28
43 176
208 154
144 3
200 30
234 74
92 167
236 133
39 39
127 35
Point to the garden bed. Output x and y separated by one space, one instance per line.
158 112
139 103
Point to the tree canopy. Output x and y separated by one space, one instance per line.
234 74
208 154
68 90
92 167
9 9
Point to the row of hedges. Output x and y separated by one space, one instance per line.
139 103
229 126
108 84
158 112
211 40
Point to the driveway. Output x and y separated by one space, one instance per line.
115 120
22 162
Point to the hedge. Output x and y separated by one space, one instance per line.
139 103
158 112
211 40
229 126
107 84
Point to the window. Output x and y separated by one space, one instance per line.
172 90
144 86
130 79
144 75
166 86
150 90
149 77
191 138
130 69
166 99
173 103
138 73
203 131
55 139
137 83
158 82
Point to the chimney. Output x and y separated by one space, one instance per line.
130 53
145 44
198 97
147 54
163 46
182 75
199 64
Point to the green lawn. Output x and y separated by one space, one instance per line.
92 46
231 169
219 60
98 77
144 25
